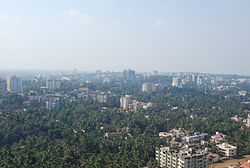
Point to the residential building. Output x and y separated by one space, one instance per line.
181 157
53 102
200 80
218 137
227 149
176 82
53 84
126 101
3 86
14 84
242 93
248 121
128 74
129 103
195 138
147 87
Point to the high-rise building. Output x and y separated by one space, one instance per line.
176 82
3 87
147 87
128 74
181 157
125 102
14 84
200 80
248 121
53 84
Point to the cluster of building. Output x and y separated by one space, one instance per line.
130 103
187 149
244 121
179 81
99 96
12 84
151 87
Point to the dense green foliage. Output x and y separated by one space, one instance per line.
74 136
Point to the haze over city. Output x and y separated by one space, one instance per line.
166 35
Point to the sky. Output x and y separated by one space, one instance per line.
166 35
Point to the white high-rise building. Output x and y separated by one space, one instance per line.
125 102
147 87
14 84
200 80
176 82
178 157
248 121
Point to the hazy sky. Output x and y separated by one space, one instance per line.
145 35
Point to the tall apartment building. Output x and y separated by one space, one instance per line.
200 80
3 87
53 84
181 157
176 82
126 101
147 87
248 121
14 84
128 74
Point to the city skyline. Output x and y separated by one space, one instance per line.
168 36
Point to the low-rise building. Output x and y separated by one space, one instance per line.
195 138
227 149
218 137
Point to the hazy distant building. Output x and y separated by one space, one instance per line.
14 84
53 84
53 102
3 87
176 82
158 87
147 87
200 80
128 74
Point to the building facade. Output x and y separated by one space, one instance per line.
3 87
147 87
227 149
53 84
175 157
14 84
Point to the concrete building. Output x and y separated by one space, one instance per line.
128 74
53 102
200 80
195 138
3 87
129 103
227 149
218 137
181 157
53 84
14 84
248 121
176 82
147 87
126 101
